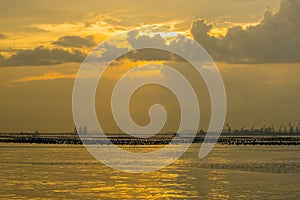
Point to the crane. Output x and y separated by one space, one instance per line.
285 130
252 128
263 128
298 127
272 128
228 128
242 129
291 127
280 128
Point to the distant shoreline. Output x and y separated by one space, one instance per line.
73 139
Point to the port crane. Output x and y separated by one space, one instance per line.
291 127
252 128
262 128
243 128
228 128
272 128
298 127
280 128
285 130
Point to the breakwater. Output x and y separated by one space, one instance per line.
224 140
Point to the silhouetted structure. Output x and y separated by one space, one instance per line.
75 131
85 130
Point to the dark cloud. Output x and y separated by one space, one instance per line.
75 41
275 40
136 41
150 55
42 56
108 52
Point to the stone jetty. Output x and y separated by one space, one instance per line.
223 140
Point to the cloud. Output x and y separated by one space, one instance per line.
164 44
42 56
111 50
75 41
274 40
155 46
33 29
120 67
124 13
45 77
2 36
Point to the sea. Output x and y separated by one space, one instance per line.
49 171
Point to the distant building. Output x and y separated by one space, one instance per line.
85 130
81 130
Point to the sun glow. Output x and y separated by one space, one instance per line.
117 69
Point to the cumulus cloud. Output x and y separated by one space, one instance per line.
110 51
42 56
152 47
179 44
147 54
274 40
75 41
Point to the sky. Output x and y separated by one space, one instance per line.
255 44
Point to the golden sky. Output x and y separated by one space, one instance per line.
255 44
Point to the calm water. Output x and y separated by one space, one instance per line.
229 172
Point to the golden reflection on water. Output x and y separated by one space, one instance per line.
69 172
156 185
219 191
